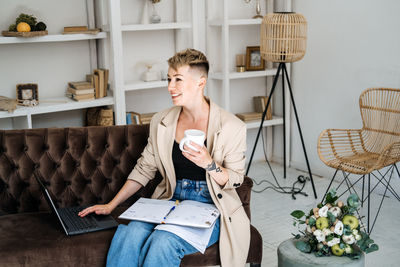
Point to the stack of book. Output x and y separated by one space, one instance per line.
99 80
80 91
137 118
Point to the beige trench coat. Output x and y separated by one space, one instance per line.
226 143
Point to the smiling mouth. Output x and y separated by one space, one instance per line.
175 95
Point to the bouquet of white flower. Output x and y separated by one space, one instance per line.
332 228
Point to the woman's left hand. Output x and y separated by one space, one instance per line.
201 157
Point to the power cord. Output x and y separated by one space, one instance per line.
293 190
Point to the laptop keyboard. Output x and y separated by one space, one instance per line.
71 218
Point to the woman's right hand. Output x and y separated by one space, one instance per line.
98 209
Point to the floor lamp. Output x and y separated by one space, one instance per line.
283 40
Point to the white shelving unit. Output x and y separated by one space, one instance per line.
22 116
52 38
229 26
121 85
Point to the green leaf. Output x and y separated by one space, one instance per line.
332 192
296 236
303 246
297 214
302 222
325 249
347 230
311 212
372 248
311 221
331 217
352 201
355 255
331 196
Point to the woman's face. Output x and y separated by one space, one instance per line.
183 86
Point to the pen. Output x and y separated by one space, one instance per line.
166 215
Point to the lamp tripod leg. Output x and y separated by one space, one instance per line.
284 125
299 128
264 114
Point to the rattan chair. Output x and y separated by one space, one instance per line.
366 151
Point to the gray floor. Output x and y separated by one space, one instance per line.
271 216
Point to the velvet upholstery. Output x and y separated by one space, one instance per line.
83 165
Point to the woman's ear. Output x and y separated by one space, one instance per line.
202 82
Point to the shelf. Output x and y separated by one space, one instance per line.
140 85
255 124
158 26
243 75
56 105
236 22
52 38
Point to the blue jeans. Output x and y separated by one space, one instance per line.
138 244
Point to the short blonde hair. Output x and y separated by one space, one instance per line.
191 57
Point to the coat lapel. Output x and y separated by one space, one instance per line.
214 127
165 139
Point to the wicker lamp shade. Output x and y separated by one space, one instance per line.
283 37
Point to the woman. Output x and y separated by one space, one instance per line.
209 174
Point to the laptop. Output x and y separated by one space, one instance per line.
74 224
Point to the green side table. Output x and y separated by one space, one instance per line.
290 256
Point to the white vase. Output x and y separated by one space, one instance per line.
145 13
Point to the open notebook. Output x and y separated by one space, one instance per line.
186 213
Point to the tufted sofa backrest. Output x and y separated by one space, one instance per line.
79 166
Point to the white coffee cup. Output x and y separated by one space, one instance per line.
193 135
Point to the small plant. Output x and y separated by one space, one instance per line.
25 22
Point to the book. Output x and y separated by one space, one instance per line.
90 79
106 74
100 73
259 105
249 116
96 85
80 85
134 118
145 118
128 119
80 91
186 213
191 220
81 97
75 28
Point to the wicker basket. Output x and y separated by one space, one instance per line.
8 104
24 34
283 37
100 117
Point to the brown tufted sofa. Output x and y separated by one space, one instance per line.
83 165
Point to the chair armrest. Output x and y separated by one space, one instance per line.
337 143
390 155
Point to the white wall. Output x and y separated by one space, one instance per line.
351 46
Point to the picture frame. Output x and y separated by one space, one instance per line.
254 61
27 94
